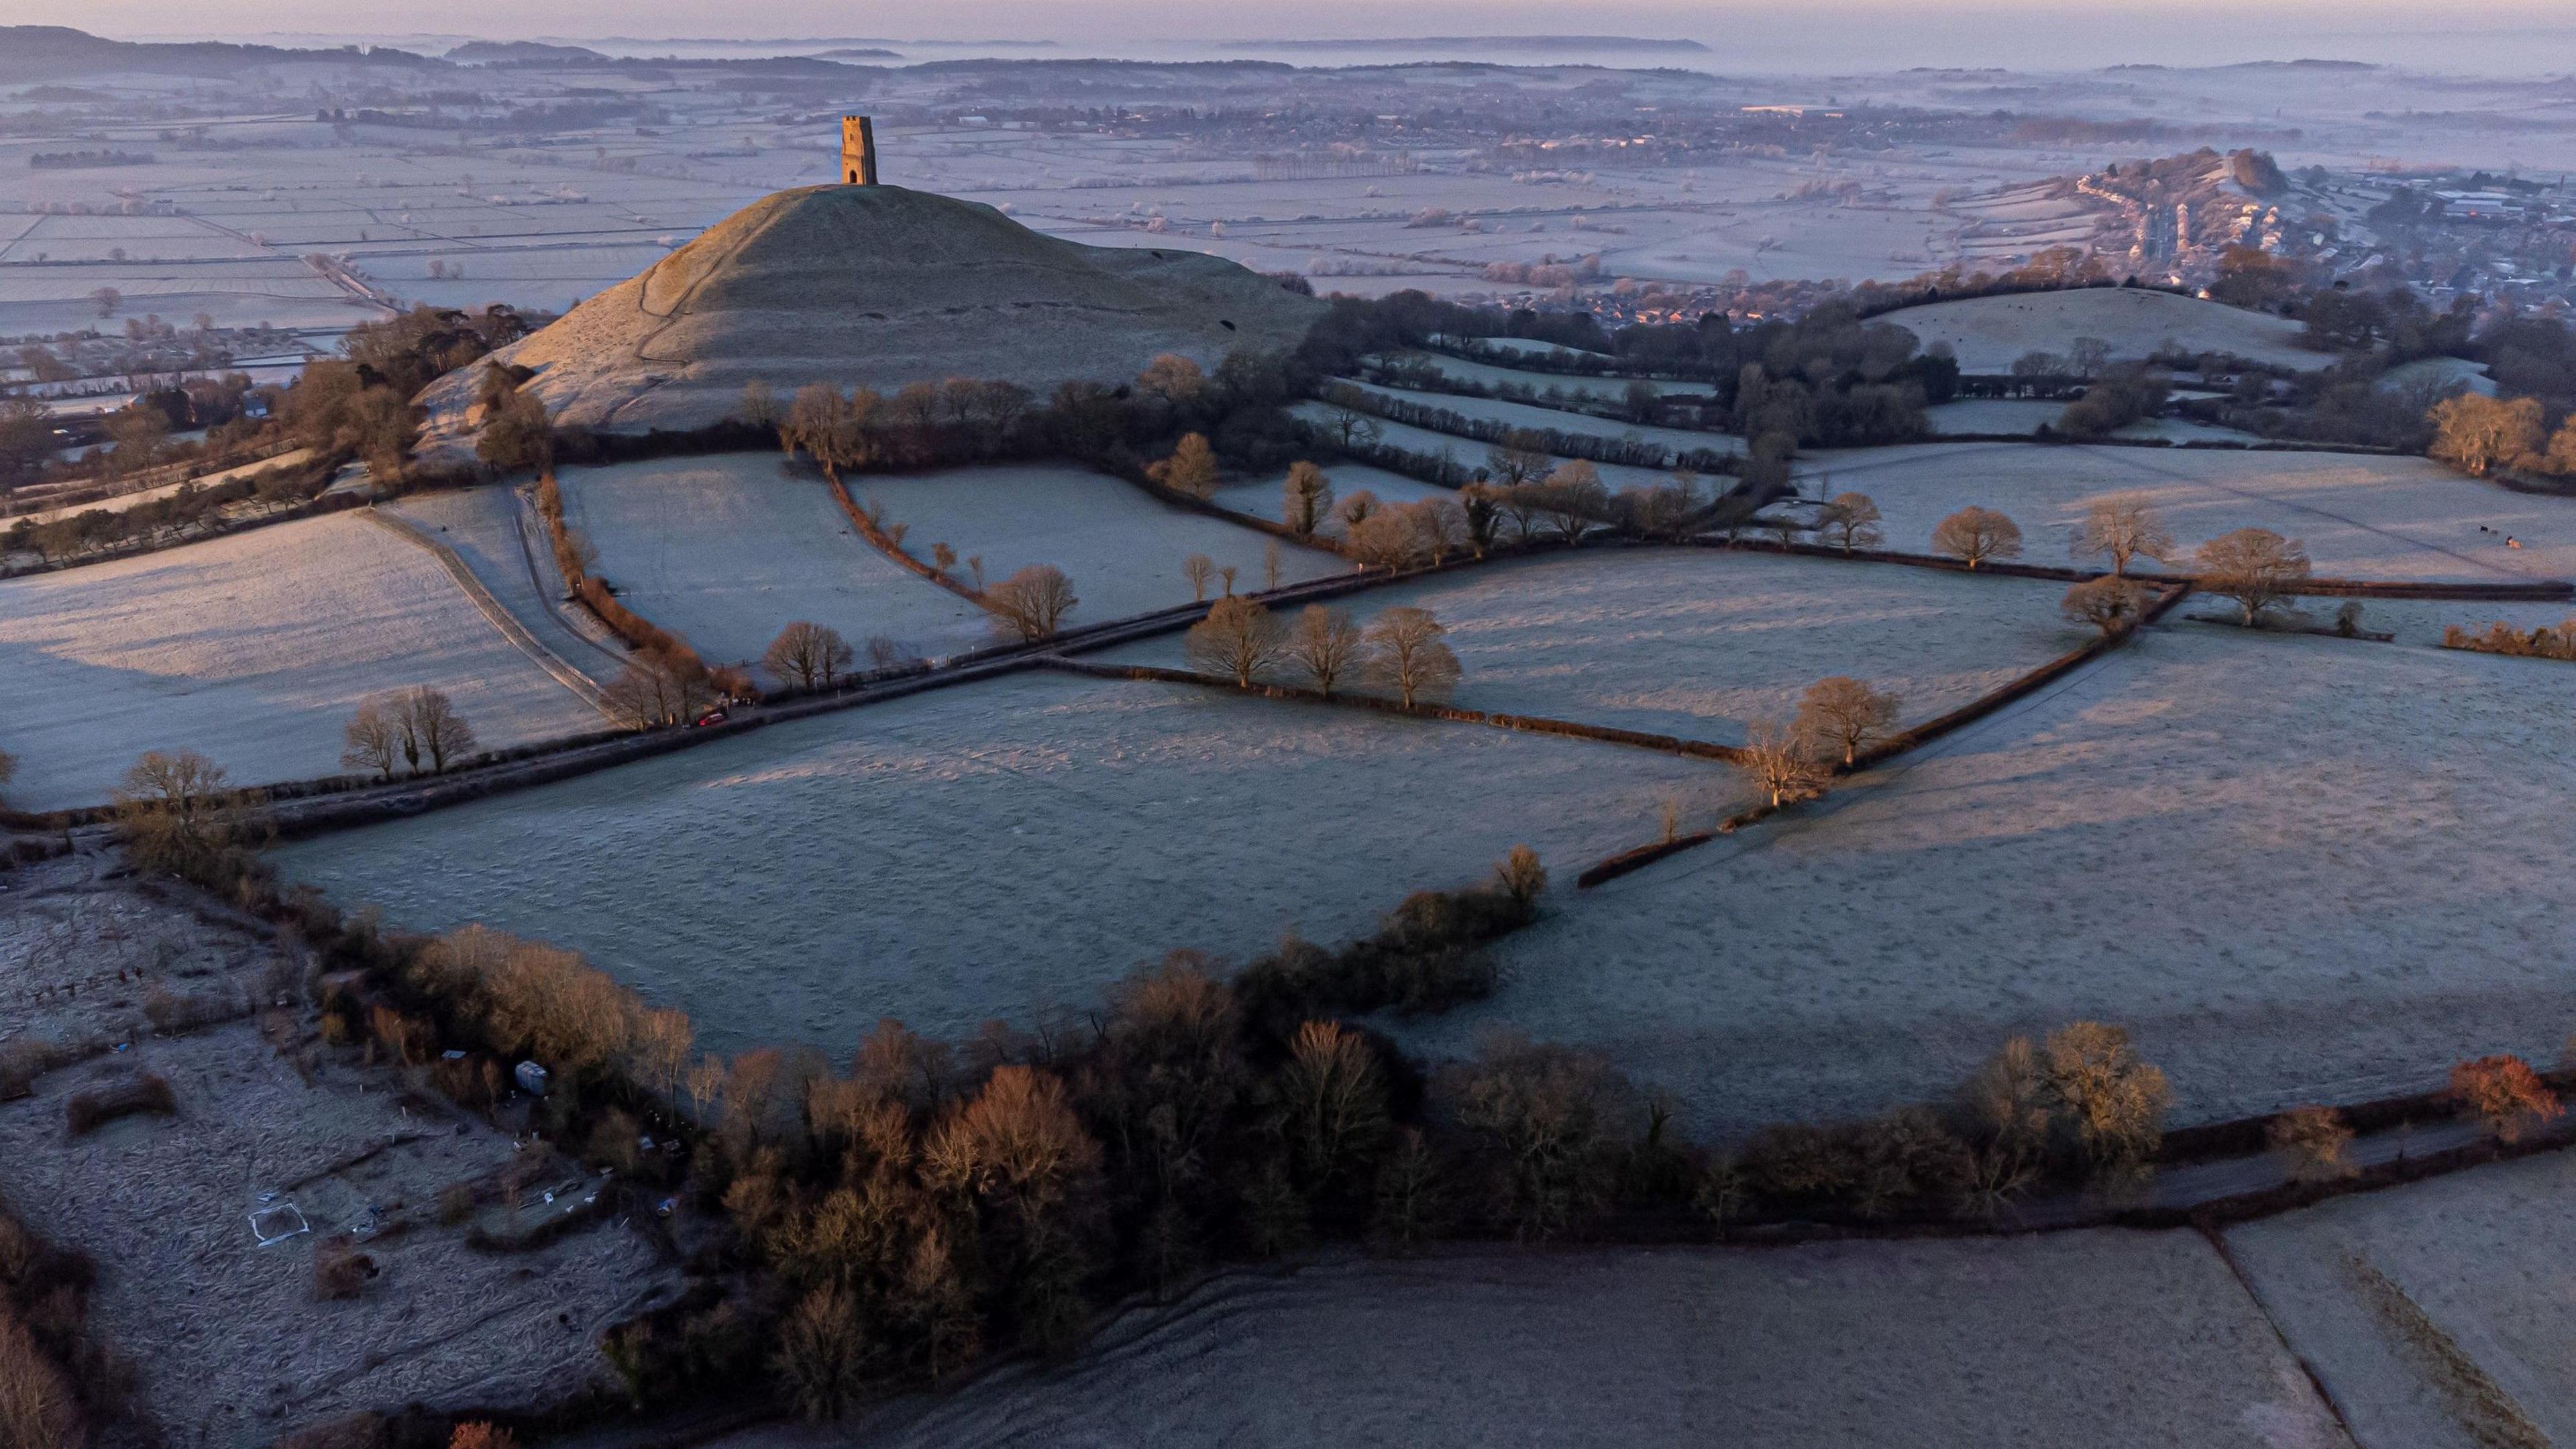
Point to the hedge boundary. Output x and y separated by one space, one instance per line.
885 544
2538 591
1533 724
1611 867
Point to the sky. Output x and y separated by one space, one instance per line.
2519 37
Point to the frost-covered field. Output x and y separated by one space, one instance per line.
2481 1254
2025 416
253 649
1524 415
1697 642
2301 869
497 537
1989 333
1575 385
728 550
1268 498
1471 452
1122 548
2103 1338
2360 516
989 850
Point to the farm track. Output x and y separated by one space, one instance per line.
555 665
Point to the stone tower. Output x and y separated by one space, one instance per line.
858 151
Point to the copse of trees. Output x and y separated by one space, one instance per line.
1031 604
808 655
409 728
2117 397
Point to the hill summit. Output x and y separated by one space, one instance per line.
877 286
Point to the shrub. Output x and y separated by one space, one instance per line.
339 1270
2311 1141
149 1092
2111 604
2504 1095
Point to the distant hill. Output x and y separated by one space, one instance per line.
877 286
58 52
1485 44
506 52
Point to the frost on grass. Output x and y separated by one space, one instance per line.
1122 548
989 850
1696 643
2106 1338
2435 1313
2299 869
728 550
1989 333
2360 516
253 649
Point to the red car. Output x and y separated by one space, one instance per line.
714 716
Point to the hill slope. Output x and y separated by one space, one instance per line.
877 286
1989 332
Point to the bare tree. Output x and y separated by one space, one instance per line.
2110 603
1521 457
661 688
1032 603
1841 714
808 653
1384 538
2254 566
374 738
1271 563
1357 508
1849 520
1173 378
1439 527
1198 568
1776 764
759 404
1573 499
1191 469
1238 638
2120 528
1225 579
432 727
177 810
1975 535
1307 498
1325 643
1407 655
1350 429
2110 1101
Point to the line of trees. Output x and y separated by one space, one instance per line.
410 729
1401 651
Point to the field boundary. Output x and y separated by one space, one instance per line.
1610 868
1533 724
884 543
2537 591
562 670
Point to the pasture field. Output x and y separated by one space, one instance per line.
2024 416
252 648
2103 1338
1122 548
2360 516
1989 333
1472 452
990 850
2298 869
728 550
1697 642
1526 415
2375 1291
1572 385
1267 498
